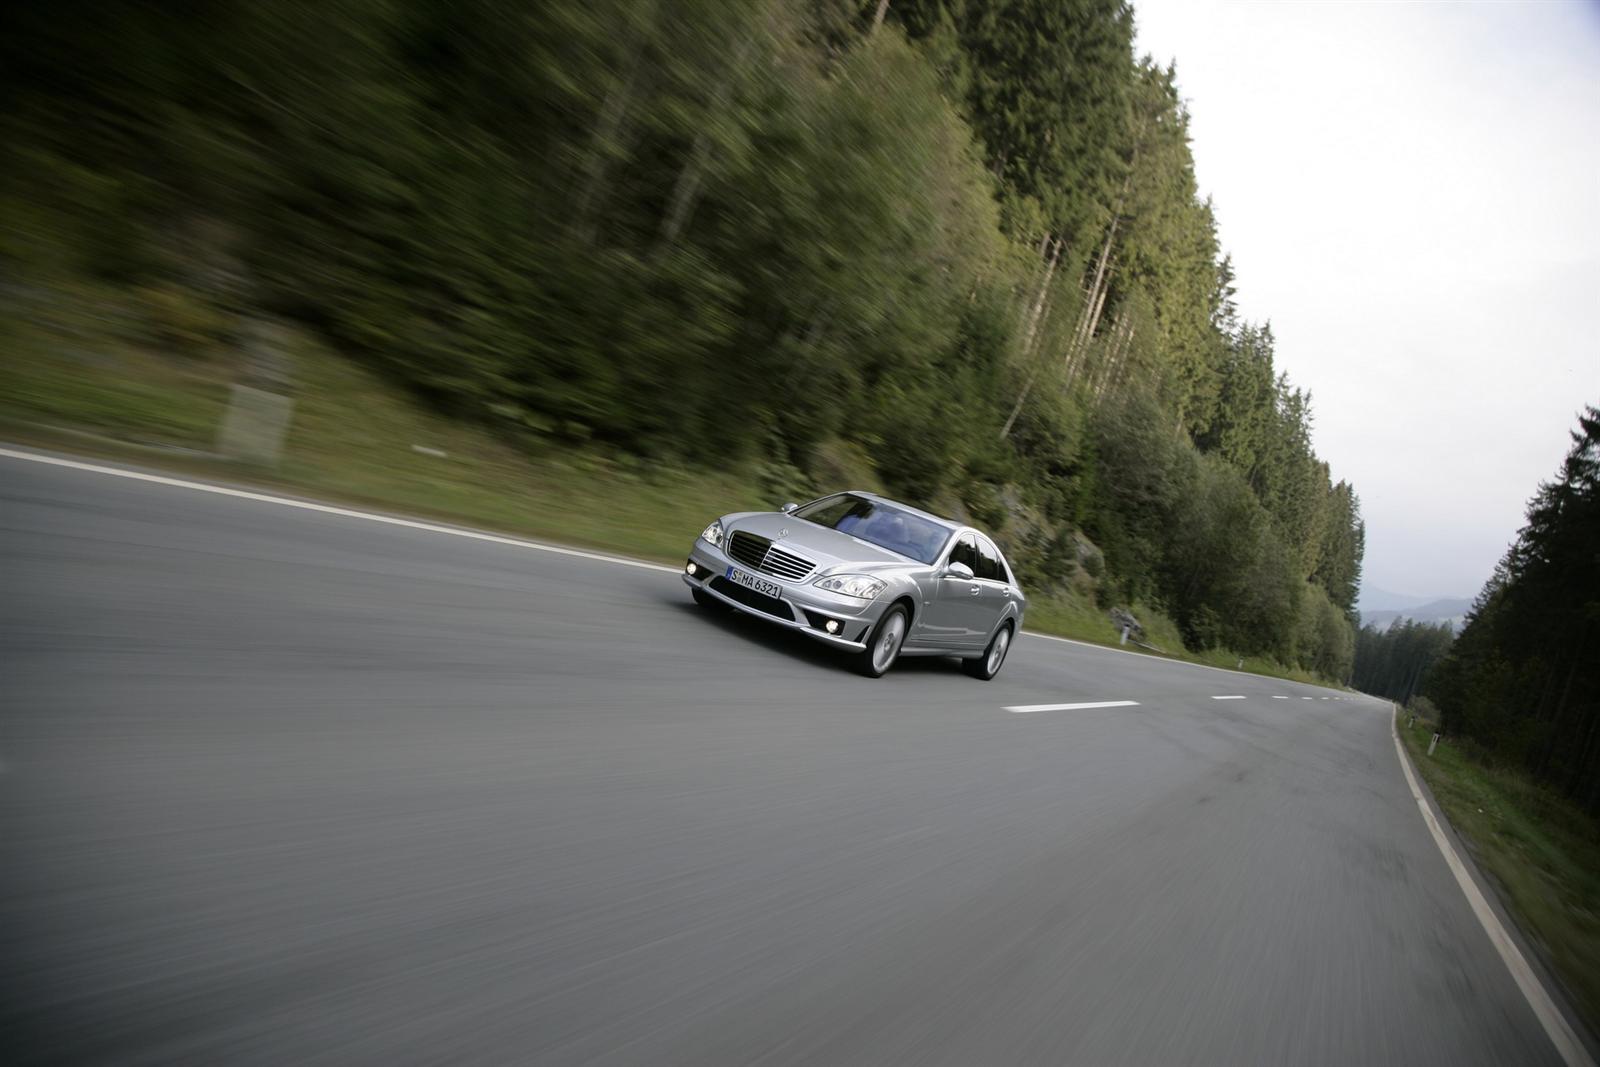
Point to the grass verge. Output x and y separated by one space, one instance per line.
354 438
1542 852
1078 617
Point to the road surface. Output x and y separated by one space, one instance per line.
288 787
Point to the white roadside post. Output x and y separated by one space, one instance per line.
1433 744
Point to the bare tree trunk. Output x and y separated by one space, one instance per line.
1078 347
1081 333
1122 358
1036 316
1039 301
1027 387
594 164
1119 366
1089 321
1121 331
1094 321
684 191
1022 299
607 129
877 17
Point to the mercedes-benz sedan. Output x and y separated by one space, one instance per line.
865 574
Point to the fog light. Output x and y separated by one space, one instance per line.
689 568
832 626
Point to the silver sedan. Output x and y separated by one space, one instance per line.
865 574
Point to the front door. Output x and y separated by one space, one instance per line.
952 615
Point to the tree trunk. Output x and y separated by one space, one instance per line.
877 17
1039 301
607 129
680 207
1027 387
1035 318
1121 340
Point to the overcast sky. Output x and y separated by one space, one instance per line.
1411 193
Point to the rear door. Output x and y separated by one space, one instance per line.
994 589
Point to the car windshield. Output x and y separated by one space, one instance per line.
880 524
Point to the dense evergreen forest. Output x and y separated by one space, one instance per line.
1394 663
1523 679
959 243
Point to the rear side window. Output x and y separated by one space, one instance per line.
965 552
989 562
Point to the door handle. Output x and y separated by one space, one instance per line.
976 590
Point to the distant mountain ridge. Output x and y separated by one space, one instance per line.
1452 610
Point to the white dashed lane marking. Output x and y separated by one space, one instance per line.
1025 709
1230 697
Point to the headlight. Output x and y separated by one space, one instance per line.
857 585
713 533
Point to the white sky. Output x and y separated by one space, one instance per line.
1411 193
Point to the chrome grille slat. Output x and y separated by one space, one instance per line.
758 553
786 564
748 548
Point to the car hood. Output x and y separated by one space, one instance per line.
827 548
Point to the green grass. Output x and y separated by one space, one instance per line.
352 439
117 390
1542 851
1078 617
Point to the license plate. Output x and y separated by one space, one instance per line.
750 581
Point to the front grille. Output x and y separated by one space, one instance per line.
752 599
748 548
760 554
786 564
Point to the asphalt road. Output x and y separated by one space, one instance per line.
284 787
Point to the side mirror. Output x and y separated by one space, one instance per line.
789 507
958 570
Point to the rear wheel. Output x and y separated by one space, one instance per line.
883 647
707 601
988 665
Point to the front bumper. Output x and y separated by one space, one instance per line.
811 607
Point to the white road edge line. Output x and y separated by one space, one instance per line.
1228 698
1561 1034
1025 709
329 509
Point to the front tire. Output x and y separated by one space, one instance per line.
883 647
988 665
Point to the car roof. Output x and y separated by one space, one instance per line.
951 523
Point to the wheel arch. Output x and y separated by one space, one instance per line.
1010 617
909 601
